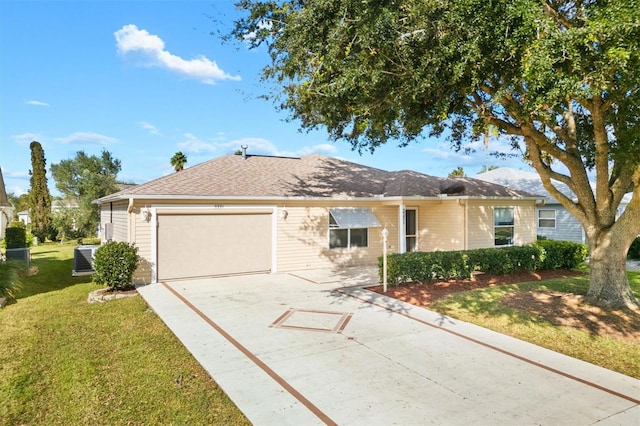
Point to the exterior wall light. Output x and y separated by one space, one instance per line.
146 214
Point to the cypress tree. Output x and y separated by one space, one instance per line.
39 197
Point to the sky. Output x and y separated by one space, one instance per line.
145 79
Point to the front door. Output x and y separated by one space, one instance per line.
411 229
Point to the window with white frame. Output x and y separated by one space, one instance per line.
546 218
411 229
349 227
503 226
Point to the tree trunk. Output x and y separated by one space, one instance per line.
608 283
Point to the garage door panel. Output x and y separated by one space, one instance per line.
197 245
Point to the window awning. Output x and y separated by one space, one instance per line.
354 217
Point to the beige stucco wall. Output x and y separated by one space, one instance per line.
140 235
480 219
303 237
440 225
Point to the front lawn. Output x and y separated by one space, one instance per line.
553 314
63 361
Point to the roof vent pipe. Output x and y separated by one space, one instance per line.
244 151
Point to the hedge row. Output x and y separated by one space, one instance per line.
16 237
562 254
443 265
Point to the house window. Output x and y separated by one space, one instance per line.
546 218
503 226
349 227
410 229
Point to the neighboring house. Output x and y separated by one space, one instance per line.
6 209
24 217
243 214
553 220
57 205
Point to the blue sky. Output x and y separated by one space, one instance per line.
145 79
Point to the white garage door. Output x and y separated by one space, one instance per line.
201 244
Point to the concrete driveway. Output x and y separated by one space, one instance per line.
312 348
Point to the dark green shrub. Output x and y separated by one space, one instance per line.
52 234
562 254
115 263
443 265
634 250
16 237
525 258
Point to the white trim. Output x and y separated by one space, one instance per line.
513 226
154 245
555 218
274 239
416 230
153 197
402 241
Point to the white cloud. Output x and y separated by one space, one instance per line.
194 145
87 138
131 40
150 128
265 147
18 190
257 146
15 175
25 138
36 103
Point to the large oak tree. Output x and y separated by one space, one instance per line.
559 79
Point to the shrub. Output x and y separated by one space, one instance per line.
429 266
17 224
11 274
562 254
634 250
444 265
16 237
115 263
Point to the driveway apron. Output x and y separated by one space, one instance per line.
300 350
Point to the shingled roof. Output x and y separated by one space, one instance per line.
311 176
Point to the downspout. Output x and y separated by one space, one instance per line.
465 223
131 219
402 241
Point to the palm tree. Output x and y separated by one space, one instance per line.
178 161
458 172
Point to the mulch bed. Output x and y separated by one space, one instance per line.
425 294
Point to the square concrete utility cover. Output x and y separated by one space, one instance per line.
312 320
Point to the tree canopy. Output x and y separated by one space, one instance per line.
560 80
457 172
19 202
84 179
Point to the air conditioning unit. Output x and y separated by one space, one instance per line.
83 260
20 254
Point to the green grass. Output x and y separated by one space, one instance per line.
485 307
63 361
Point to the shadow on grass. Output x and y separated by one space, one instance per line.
558 302
52 272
